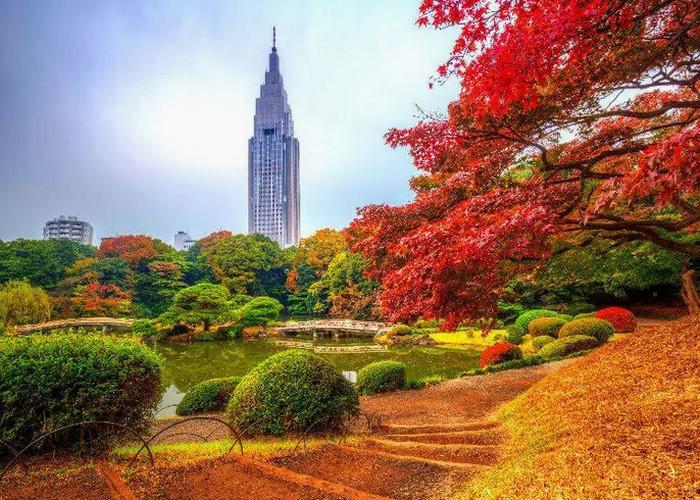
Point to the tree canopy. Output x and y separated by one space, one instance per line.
594 104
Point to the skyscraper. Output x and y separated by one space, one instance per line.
273 162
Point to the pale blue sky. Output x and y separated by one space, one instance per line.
135 115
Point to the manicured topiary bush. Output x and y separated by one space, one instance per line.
401 330
498 353
585 315
541 341
591 327
208 396
144 328
381 376
50 381
514 334
568 345
260 311
524 319
290 392
622 319
549 326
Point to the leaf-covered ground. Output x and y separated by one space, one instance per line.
623 422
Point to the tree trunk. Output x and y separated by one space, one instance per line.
690 293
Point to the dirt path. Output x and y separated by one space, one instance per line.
431 441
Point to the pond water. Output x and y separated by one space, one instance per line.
189 364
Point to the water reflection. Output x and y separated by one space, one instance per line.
189 364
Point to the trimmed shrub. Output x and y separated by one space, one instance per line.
591 327
50 381
381 376
514 334
498 353
568 345
260 311
585 315
290 392
541 341
208 396
622 319
549 326
144 328
524 319
401 330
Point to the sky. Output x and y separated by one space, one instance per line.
135 115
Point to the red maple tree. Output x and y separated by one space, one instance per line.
575 119
136 250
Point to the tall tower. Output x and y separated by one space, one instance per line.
273 162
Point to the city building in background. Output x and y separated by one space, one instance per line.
68 228
183 241
273 162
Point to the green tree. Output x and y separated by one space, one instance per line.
201 304
42 263
21 303
248 264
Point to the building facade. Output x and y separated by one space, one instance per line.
273 162
68 228
183 241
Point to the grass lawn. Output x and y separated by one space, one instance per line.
471 337
176 453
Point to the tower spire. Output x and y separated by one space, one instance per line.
274 39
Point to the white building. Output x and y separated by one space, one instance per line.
183 241
68 228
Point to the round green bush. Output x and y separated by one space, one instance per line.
144 328
514 334
208 396
260 311
50 381
381 376
290 392
524 319
541 341
549 326
401 330
568 345
585 315
592 327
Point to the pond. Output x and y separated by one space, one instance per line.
189 364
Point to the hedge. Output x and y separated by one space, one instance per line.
549 326
514 334
260 311
622 319
541 341
292 391
144 328
208 396
381 376
498 353
401 330
50 381
524 319
568 345
591 327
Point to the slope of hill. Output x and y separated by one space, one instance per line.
622 422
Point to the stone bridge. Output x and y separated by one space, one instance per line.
62 324
336 327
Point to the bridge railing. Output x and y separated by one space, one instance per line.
75 323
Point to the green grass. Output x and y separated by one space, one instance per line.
188 451
471 336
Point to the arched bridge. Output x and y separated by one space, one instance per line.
62 324
335 327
